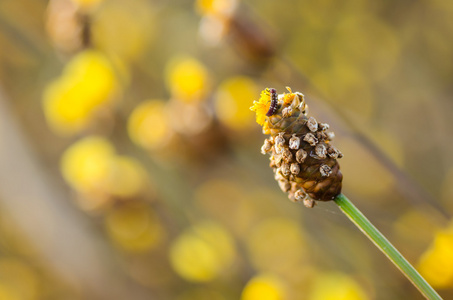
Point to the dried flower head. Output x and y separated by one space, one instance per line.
304 162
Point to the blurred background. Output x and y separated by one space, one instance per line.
130 163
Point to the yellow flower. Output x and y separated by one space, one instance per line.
261 107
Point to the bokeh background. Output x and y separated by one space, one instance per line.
130 164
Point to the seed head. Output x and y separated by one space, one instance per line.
304 162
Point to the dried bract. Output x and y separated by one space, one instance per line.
301 154
294 142
325 170
312 124
311 139
321 151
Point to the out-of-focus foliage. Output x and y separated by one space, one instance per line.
135 114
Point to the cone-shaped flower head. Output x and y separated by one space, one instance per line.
304 162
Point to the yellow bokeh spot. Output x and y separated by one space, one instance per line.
232 102
202 252
123 30
88 163
187 79
336 286
134 227
127 178
436 264
264 287
148 124
17 280
87 84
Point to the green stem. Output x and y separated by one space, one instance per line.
385 246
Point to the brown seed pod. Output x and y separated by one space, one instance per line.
308 163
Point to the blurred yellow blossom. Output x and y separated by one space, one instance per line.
436 264
134 227
202 252
87 84
92 166
87 164
148 124
232 102
264 287
187 79
123 30
336 286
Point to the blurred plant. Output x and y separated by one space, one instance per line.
305 166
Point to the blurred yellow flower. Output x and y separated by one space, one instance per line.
187 79
92 166
202 252
336 286
87 84
124 30
87 164
148 124
134 227
232 102
436 264
264 287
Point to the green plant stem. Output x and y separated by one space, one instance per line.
385 246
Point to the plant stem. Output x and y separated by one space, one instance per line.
385 246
